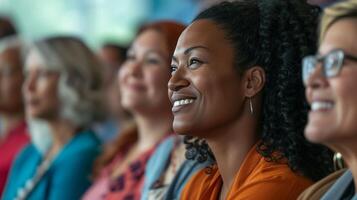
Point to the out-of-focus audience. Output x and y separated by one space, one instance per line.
330 80
63 94
112 55
142 81
13 129
234 128
117 118
7 28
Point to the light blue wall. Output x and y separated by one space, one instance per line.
93 20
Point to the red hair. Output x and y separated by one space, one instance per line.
170 29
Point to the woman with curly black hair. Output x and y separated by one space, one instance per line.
236 83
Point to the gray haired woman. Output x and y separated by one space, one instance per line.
63 91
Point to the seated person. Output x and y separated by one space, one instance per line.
236 84
142 81
63 94
13 129
330 80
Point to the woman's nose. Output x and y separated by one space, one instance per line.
316 78
178 80
30 83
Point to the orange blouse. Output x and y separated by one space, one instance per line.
256 179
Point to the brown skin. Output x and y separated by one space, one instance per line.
336 127
11 79
143 81
204 71
41 99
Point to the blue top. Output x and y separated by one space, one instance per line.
343 188
107 130
157 165
68 176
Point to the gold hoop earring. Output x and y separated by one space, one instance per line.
338 162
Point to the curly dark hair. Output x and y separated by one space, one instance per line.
275 35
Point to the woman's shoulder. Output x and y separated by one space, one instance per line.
29 151
81 150
271 180
84 142
204 182
162 151
22 162
317 190
278 172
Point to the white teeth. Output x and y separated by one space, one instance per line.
321 105
183 102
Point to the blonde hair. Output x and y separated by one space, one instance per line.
338 11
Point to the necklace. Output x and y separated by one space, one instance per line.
22 193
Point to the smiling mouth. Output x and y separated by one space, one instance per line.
182 102
321 105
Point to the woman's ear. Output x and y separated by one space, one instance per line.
255 81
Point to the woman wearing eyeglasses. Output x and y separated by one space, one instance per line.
331 79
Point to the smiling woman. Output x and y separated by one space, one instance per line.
236 84
142 82
330 80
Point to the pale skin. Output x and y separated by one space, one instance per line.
41 100
142 81
336 127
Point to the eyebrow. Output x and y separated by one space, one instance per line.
155 51
188 50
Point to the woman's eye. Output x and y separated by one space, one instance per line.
130 57
45 74
193 62
173 69
152 61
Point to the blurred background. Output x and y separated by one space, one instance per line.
98 21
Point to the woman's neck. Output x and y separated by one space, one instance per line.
230 145
62 132
152 128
